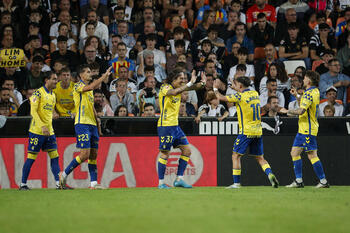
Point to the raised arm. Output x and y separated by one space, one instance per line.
217 93
97 82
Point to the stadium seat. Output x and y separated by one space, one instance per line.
292 65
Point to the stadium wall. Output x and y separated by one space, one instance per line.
130 161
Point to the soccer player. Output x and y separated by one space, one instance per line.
308 129
250 130
169 132
41 134
87 125
64 94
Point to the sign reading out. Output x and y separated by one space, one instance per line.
12 58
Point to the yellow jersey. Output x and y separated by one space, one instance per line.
308 123
64 98
84 105
44 102
169 107
248 112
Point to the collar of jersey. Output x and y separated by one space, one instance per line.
245 90
82 81
310 88
46 90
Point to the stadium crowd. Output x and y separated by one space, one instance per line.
272 42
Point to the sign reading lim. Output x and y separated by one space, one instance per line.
12 58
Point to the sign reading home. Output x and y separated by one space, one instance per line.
12 58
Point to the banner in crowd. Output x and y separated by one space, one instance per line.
12 58
121 162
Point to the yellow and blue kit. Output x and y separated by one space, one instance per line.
64 99
308 124
249 120
85 122
42 104
169 132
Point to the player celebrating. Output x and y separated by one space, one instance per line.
308 128
169 132
41 134
87 125
250 130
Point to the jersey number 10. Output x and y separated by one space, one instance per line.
256 111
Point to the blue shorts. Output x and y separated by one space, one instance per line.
171 136
87 136
242 143
37 142
308 142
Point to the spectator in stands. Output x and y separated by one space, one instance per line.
341 27
90 55
64 17
216 7
123 73
271 85
16 74
271 109
212 108
201 54
100 9
4 109
231 59
282 27
128 39
175 21
35 77
127 8
98 45
331 95
121 111
137 14
5 18
342 39
327 55
294 46
218 44
201 93
64 54
344 57
329 111
65 5
336 79
37 22
300 7
148 110
159 56
242 59
297 82
24 109
173 59
122 96
262 32
181 8
119 15
101 29
64 94
186 108
100 100
322 41
149 27
300 71
242 38
201 30
278 73
15 95
317 18
179 34
228 30
63 31
148 60
113 47
89 31
260 6
5 100
148 94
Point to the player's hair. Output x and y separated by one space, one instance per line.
245 81
173 75
314 77
82 68
64 70
47 75
271 98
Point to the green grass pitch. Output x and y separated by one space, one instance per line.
209 209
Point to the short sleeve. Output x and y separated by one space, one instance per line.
79 87
306 100
165 88
234 98
35 98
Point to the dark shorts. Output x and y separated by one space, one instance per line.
171 136
37 142
308 142
87 136
242 143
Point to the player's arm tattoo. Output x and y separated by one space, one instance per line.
196 86
299 111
